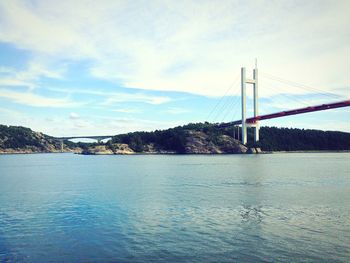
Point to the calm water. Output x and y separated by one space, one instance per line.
175 208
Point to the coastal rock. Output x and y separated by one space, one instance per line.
122 148
201 143
97 150
16 139
198 142
116 148
251 151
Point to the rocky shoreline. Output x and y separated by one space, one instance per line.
201 138
196 143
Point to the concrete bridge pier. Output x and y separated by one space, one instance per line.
256 104
61 142
236 132
254 82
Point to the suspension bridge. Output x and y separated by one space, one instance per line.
254 121
244 122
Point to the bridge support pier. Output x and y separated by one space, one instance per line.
253 81
61 141
256 132
256 104
243 101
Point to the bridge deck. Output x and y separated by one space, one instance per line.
252 120
95 137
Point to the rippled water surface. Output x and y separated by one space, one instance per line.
175 208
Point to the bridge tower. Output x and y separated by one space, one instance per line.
254 82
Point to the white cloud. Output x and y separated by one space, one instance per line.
135 97
28 77
9 82
60 127
188 46
74 116
31 99
118 97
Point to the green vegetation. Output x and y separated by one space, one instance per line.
178 139
271 138
284 139
169 140
16 137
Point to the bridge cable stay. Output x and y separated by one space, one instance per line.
232 106
282 97
308 88
226 100
229 107
285 96
221 102
302 86
235 112
221 98
222 109
299 98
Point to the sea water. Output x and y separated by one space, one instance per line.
175 208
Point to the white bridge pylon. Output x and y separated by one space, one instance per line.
254 82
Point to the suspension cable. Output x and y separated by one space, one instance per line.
287 96
222 98
231 107
301 86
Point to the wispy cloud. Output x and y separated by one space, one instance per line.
31 99
185 46
118 97
28 77
159 46
135 97
74 116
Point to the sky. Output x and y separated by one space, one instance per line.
72 68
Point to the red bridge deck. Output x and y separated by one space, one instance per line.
340 104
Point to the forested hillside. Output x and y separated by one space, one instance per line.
191 138
285 139
21 139
271 138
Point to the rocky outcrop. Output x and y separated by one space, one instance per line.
15 139
196 143
98 150
255 150
122 148
116 148
23 140
201 143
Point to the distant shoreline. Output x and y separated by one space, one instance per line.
170 153
312 151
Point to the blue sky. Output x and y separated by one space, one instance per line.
109 67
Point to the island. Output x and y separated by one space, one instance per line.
193 138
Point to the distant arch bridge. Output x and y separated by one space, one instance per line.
93 137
